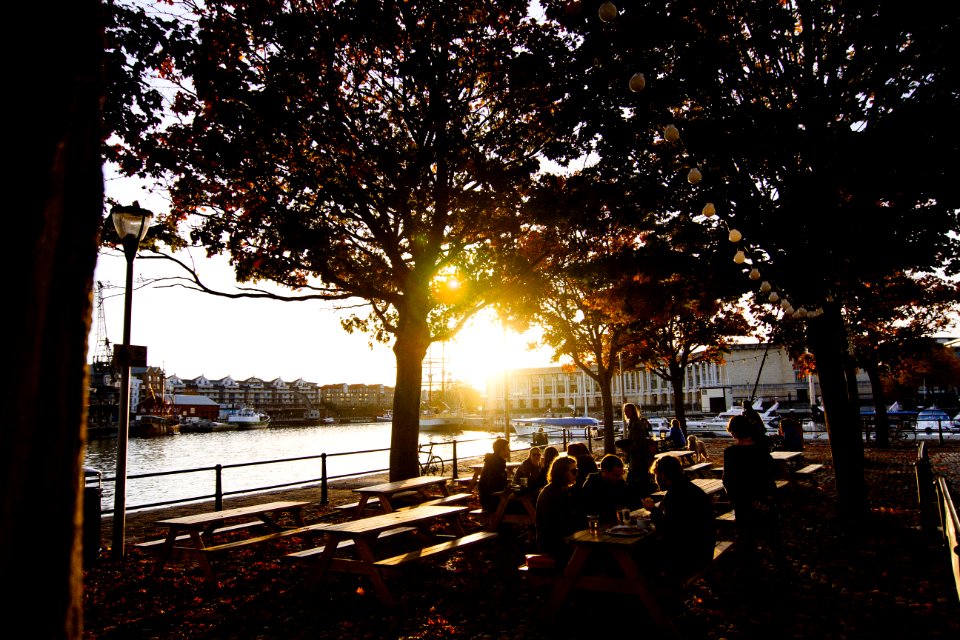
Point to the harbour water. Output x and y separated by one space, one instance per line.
205 450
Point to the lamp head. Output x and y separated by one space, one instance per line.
131 220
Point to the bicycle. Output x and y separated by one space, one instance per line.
432 465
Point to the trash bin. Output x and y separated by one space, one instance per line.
92 491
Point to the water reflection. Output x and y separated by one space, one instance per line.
205 450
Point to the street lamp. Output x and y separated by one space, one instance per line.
131 224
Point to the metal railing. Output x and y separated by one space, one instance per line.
323 480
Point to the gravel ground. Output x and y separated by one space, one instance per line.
883 578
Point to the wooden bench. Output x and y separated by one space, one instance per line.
719 549
728 517
808 472
313 553
453 498
372 504
154 545
314 529
443 547
950 527
698 469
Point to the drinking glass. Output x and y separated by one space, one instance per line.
593 523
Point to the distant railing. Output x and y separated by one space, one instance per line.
219 494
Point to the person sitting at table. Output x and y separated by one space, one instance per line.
749 480
792 434
529 469
677 438
539 438
535 485
493 476
558 512
585 462
684 520
605 491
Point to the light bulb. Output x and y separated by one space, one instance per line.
773 297
637 82
671 133
709 210
754 274
608 12
694 176
734 236
739 257
802 312
765 286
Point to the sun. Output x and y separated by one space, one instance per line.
483 350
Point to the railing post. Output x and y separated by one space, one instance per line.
218 493
324 499
454 461
589 439
564 438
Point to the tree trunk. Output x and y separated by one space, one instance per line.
881 421
829 347
606 398
59 188
676 384
410 348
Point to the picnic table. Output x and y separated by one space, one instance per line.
685 456
191 529
426 486
362 536
478 469
624 550
504 513
792 459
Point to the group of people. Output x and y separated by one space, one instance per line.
567 488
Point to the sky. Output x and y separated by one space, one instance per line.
188 333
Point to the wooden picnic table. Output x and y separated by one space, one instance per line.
363 535
685 456
193 527
387 491
511 496
625 551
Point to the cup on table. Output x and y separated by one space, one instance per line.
593 524
623 516
523 482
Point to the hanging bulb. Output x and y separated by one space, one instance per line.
694 176
802 312
818 311
784 303
754 274
709 210
608 12
739 257
637 82
765 287
773 297
671 133
734 236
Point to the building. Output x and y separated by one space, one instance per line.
749 371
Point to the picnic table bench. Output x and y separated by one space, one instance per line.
387 492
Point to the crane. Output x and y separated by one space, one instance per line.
104 351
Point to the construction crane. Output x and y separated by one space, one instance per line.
103 354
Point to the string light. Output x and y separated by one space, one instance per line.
608 12
637 82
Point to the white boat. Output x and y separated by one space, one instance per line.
247 418
934 419
717 425
432 420
205 426
576 426
386 417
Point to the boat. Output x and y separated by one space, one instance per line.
442 420
150 426
717 425
196 425
577 426
934 419
247 418
386 417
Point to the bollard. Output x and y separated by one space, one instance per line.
454 461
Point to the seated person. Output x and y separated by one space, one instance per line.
676 436
539 438
529 469
493 476
792 434
536 484
684 519
605 491
558 514
585 462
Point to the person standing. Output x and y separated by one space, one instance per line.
749 480
638 446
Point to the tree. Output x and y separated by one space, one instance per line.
801 121
372 150
59 200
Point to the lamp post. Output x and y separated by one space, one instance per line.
131 224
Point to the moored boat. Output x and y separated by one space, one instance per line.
247 418
206 426
717 425
150 426
577 426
